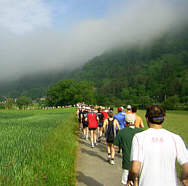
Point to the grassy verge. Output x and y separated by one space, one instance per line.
50 161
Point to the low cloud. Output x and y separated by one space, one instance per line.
31 44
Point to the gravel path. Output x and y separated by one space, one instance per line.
93 168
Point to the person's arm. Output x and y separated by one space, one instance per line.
184 175
141 123
134 172
117 124
136 159
104 125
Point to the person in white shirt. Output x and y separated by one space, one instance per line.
154 153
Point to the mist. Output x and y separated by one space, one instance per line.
131 23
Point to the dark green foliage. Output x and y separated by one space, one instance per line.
23 101
70 92
155 73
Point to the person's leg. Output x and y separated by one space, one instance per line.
95 136
112 154
125 174
87 133
91 138
84 131
109 151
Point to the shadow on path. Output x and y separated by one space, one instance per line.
87 180
93 153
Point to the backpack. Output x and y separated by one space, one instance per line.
100 116
130 118
110 131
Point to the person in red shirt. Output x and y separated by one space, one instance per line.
92 124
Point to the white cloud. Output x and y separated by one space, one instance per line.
20 16
136 21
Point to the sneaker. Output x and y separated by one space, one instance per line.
95 143
92 145
112 162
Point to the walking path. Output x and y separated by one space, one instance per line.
93 168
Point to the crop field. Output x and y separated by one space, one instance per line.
37 147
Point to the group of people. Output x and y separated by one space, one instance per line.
148 157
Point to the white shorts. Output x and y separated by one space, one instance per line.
125 174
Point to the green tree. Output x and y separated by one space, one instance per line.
69 92
23 102
9 103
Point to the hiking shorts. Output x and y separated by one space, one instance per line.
85 125
100 124
92 128
125 174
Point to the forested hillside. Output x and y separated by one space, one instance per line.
155 73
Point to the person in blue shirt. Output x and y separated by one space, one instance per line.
120 116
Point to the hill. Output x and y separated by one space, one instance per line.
154 73
157 72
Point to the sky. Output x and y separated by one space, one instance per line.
40 35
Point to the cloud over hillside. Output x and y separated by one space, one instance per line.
30 42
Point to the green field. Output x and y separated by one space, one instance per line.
37 147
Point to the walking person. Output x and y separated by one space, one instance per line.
85 122
130 118
109 127
154 153
100 124
124 141
92 124
138 122
120 117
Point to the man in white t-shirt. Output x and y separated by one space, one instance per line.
154 153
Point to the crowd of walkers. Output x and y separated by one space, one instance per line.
148 156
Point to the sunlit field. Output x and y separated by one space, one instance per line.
37 147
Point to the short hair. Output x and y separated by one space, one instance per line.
155 114
110 113
134 109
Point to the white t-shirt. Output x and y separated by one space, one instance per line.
157 150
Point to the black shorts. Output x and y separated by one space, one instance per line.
85 125
92 128
100 124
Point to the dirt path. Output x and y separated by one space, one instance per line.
93 168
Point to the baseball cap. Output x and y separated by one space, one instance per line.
119 109
128 106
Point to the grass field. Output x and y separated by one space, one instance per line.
37 147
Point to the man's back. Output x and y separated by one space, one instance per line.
121 119
124 140
157 150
